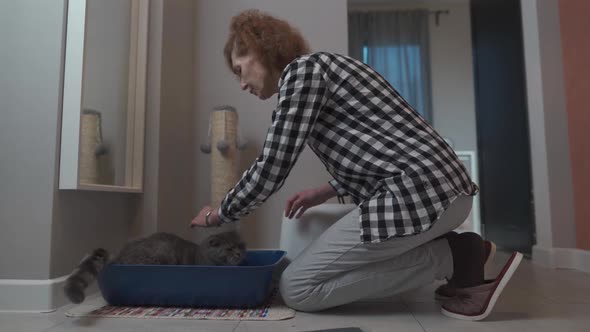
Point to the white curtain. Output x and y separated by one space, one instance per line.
396 44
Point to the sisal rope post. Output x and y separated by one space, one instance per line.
224 152
89 139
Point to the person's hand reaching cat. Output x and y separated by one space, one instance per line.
303 200
201 218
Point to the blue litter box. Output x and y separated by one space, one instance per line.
244 286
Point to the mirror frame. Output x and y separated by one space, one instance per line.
69 175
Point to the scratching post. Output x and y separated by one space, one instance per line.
89 140
224 156
94 155
223 143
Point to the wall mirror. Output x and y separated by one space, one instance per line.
102 137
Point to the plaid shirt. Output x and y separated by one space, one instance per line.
397 169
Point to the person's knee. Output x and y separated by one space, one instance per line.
291 289
296 292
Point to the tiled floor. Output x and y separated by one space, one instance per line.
537 299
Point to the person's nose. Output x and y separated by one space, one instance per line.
243 85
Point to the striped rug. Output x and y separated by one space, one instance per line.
274 309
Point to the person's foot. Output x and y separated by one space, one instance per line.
477 302
447 291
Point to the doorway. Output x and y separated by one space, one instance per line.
502 124
479 106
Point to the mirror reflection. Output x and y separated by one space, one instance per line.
105 93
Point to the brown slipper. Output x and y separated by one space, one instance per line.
447 291
476 303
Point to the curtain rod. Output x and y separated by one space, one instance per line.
393 8
436 13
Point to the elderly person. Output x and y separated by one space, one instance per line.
410 188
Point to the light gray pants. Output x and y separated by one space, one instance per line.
337 268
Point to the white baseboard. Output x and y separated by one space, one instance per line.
32 295
562 258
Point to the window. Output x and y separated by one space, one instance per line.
401 66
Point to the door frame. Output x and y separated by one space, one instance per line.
547 229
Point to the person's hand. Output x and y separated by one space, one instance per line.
303 200
200 221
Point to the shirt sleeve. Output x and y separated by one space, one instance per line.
302 94
339 189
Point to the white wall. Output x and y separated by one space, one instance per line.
324 24
30 64
453 93
45 231
176 169
84 220
557 139
167 203
550 160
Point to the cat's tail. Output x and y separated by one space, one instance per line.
84 274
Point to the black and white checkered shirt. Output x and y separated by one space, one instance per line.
397 169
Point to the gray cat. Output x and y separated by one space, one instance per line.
158 249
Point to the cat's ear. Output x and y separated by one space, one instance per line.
214 241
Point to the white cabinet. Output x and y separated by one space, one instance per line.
473 222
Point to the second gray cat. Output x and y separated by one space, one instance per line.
158 249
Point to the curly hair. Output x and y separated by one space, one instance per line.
272 40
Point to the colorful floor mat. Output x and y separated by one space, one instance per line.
274 309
